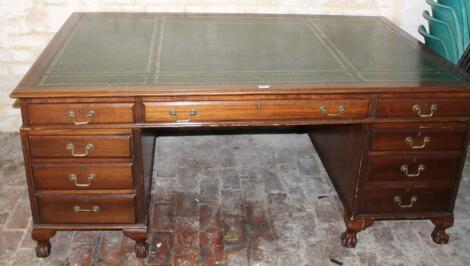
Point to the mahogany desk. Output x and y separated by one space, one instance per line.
389 118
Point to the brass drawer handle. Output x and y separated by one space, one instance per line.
410 141
73 177
89 147
413 200
94 209
417 109
324 111
404 168
174 113
73 117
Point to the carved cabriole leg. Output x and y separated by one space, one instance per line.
42 236
353 226
439 235
140 238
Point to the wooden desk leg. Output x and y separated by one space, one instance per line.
140 238
439 235
353 226
42 236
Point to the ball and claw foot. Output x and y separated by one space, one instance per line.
42 236
353 226
141 249
43 249
139 235
348 239
439 235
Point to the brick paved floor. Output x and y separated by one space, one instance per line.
232 200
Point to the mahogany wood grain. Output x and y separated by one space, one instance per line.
421 140
376 201
341 150
113 209
388 169
103 146
404 107
51 114
106 176
253 110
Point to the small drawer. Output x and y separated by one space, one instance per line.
86 209
423 108
82 176
254 110
405 200
80 114
412 168
80 146
417 139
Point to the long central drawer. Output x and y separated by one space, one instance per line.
254 110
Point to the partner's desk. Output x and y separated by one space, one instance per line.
389 118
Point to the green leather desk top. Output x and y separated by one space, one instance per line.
186 50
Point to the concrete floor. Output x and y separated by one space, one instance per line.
233 200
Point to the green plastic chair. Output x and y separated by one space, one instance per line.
460 10
434 43
448 15
467 9
441 30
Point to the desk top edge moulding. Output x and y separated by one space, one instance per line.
388 117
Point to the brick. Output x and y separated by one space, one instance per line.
230 178
187 204
164 197
210 218
186 232
20 217
187 256
61 244
9 241
236 256
234 231
212 248
161 248
209 191
186 178
272 183
110 248
164 217
3 217
232 203
256 214
83 248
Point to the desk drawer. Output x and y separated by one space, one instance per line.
80 146
412 168
417 139
80 114
254 110
86 209
82 176
416 200
423 108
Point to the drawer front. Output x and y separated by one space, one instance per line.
390 201
254 110
80 209
420 108
417 139
80 114
80 146
82 176
412 168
